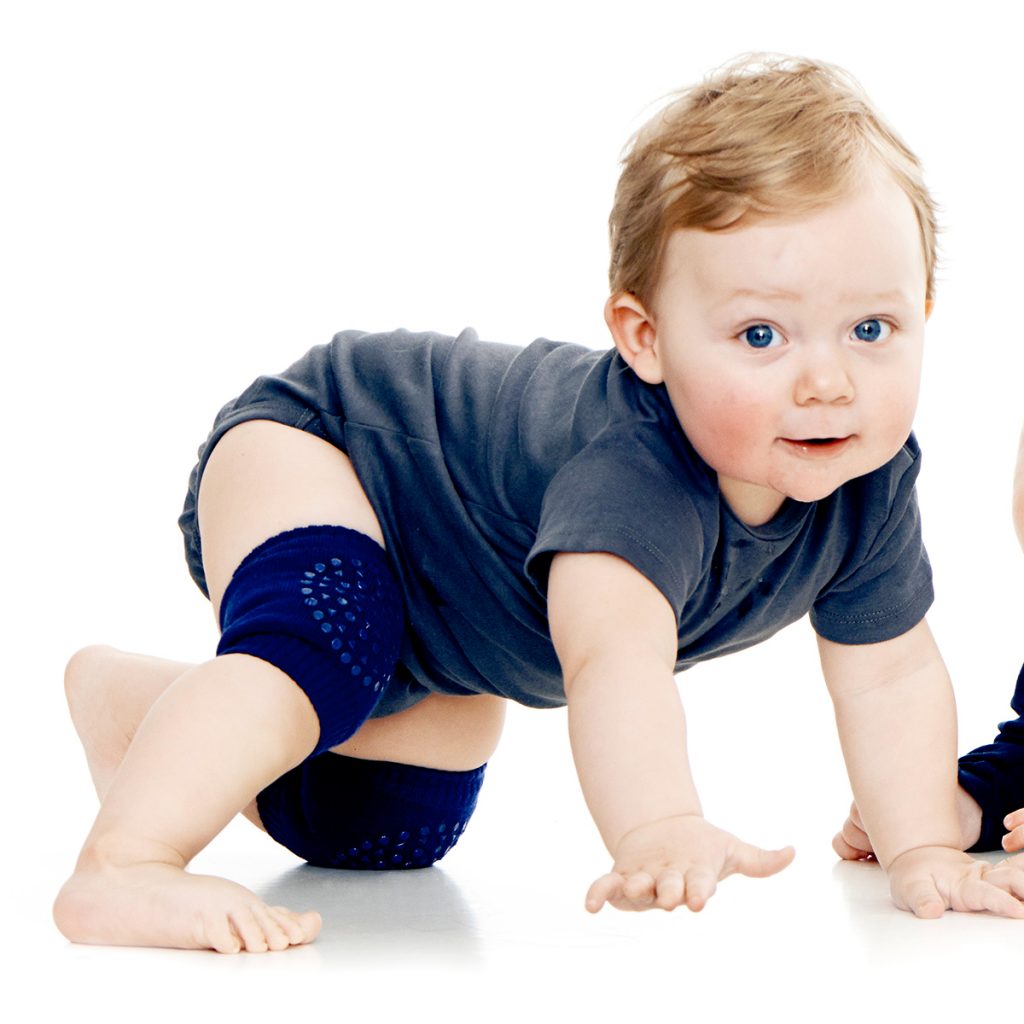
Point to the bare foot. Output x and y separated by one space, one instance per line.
155 904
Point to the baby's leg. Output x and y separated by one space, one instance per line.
109 693
219 733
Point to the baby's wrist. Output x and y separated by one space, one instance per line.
637 833
915 855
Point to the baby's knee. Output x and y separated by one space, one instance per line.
341 812
319 603
85 675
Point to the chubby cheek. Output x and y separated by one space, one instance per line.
891 416
729 430
891 394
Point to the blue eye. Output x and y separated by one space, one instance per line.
872 330
759 336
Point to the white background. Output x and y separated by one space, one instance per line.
194 193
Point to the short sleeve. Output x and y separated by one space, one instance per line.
885 587
624 494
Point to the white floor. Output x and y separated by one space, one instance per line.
199 193
499 924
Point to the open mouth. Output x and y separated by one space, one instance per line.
817 445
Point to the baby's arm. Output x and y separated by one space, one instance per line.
992 777
897 724
616 638
852 842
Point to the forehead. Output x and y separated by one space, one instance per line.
867 241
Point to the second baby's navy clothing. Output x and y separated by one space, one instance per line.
994 775
484 460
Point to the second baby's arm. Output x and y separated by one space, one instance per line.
616 639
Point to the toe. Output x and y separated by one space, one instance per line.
310 922
249 929
217 933
273 929
289 923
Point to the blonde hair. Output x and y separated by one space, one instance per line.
763 135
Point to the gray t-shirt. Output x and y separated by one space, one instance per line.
483 460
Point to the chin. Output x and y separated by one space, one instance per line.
807 492
807 487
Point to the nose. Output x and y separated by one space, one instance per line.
823 377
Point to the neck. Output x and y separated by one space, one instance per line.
750 503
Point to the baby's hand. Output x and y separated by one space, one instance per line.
932 879
1008 874
851 842
1014 839
677 861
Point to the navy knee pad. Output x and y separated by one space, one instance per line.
321 604
340 812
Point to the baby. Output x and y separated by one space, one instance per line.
402 531
990 800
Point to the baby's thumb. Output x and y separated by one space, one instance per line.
757 863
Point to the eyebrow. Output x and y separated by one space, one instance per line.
895 296
754 293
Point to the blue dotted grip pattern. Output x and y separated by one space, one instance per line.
321 604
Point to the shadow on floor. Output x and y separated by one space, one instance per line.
397 915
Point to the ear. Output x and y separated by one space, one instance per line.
929 305
635 335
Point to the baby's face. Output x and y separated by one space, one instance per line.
791 348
